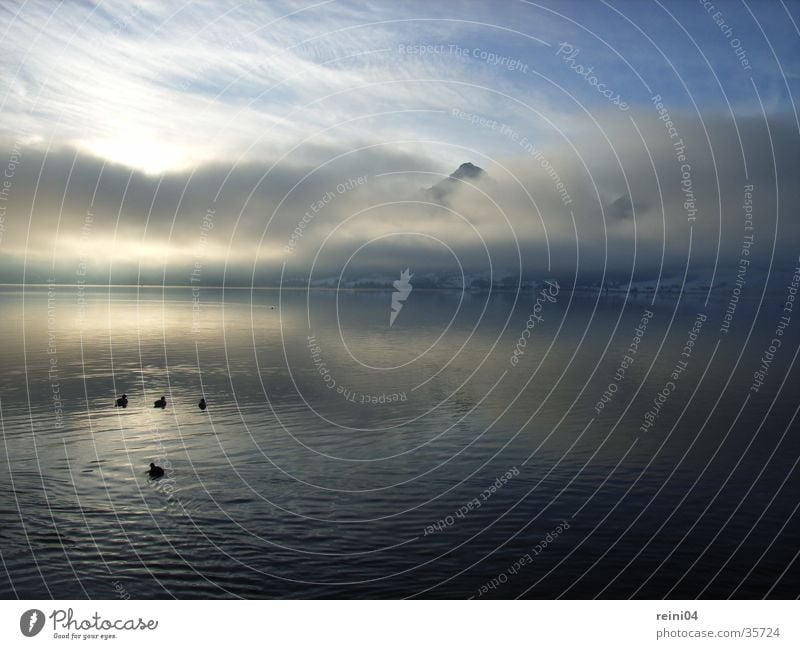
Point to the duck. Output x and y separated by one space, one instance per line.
161 403
122 402
202 405
155 471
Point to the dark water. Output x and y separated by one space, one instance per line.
377 461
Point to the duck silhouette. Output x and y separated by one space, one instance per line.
122 402
202 405
161 403
155 471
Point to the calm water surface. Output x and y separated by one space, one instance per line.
341 457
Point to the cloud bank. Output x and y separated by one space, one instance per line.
269 143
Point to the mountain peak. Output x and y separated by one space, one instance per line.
467 170
442 191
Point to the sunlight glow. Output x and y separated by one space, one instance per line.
144 153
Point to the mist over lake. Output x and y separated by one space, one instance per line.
450 300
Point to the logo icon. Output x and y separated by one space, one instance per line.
31 622
402 289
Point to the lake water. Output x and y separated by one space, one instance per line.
342 457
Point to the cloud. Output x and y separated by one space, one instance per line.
138 124
160 90
364 210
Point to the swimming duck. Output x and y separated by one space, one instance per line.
122 402
155 471
202 405
161 403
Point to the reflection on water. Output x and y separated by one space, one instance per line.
340 456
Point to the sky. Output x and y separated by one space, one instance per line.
263 142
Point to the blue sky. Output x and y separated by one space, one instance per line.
160 89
